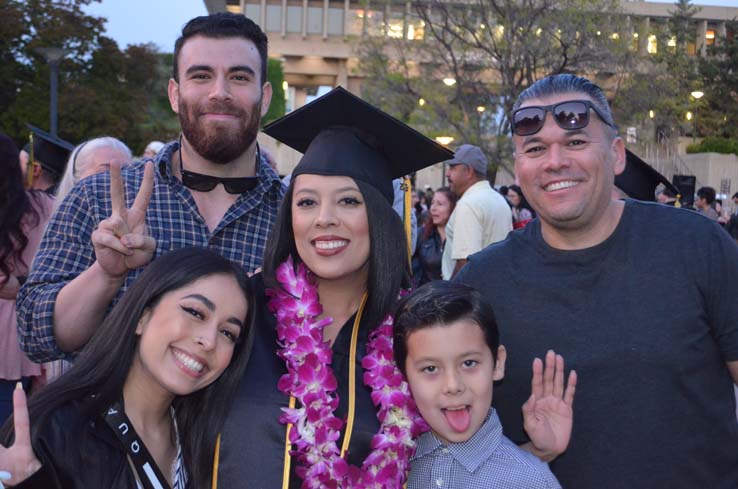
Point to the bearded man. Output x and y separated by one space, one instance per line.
210 188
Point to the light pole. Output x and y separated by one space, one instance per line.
696 95
53 56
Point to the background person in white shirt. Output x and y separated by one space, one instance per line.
481 217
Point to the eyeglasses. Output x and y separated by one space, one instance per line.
569 115
205 183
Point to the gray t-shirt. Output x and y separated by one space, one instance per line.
648 319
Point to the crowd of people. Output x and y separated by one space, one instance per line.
191 320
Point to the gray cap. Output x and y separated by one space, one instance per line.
468 154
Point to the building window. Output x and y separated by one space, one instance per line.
671 44
396 21
375 22
415 30
294 18
415 26
710 37
274 18
653 44
335 21
315 20
253 11
355 19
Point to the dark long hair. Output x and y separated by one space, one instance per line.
99 373
388 260
15 208
452 198
523 201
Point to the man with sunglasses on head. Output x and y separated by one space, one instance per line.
655 406
210 188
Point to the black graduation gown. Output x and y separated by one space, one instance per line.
253 440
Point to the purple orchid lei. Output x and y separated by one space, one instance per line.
310 379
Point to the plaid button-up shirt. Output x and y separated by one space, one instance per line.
172 219
488 460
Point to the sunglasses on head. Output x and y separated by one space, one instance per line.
569 115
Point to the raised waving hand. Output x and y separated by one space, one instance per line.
18 461
121 241
548 414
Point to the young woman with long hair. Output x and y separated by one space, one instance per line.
337 262
433 237
522 212
149 392
23 217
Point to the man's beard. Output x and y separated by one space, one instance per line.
220 143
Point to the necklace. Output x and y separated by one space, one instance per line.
312 428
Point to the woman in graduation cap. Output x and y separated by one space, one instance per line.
321 403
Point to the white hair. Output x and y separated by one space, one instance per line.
154 146
80 157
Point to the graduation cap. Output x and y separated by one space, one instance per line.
342 135
49 151
639 180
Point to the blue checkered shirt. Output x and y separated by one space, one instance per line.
488 460
172 218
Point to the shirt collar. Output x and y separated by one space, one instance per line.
471 453
480 185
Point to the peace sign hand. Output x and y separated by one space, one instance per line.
19 461
548 413
120 241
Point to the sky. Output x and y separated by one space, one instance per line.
144 21
160 21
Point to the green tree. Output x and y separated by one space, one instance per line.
662 82
275 75
719 74
102 90
487 51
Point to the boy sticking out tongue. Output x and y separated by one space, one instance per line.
447 344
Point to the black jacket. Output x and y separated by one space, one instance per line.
732 226
253 440
76 453
430 253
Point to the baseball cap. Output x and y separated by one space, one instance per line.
471 155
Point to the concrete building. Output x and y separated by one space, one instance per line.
317 41
317 38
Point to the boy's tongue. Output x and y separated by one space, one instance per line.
459 419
